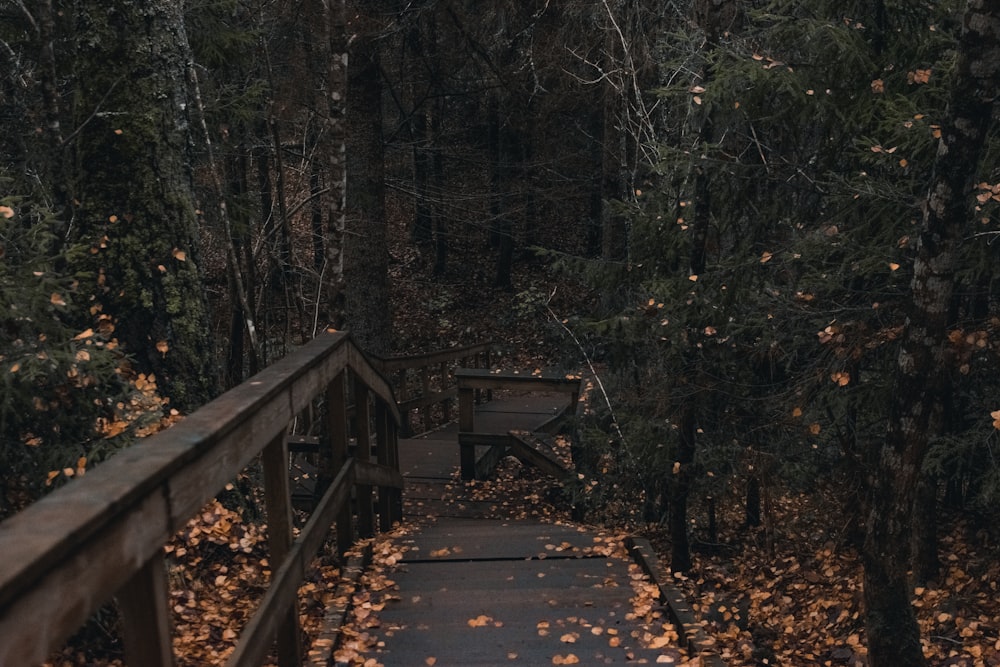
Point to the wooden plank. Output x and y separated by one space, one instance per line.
488 539
506 574
389 364
679 611
437 458
484 378
146 627
421 402
524 450
373 474
487 462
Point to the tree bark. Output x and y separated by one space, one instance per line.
134 185
680 489
922 378
366 255
336 131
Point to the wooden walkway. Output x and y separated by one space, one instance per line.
479 586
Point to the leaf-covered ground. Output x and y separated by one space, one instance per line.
802 604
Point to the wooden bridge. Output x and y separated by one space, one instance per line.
472 589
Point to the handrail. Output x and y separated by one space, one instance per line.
471 380
103 535
435 382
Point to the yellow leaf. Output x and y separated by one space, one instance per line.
51 476
180 255
797 412
430 661
112 218
765 257
693 278
903 162
893 266
84 334
162 347
6 212
815 428
677 467
82 355
15 367
57 300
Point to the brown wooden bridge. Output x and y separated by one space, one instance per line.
471 589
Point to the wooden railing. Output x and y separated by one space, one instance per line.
472 380
423 381
102 536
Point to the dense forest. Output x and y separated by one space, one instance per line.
764 228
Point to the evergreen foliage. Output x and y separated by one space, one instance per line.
806 139
61 375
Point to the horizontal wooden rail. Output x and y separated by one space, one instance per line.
425 381
472 379
391 364
103 535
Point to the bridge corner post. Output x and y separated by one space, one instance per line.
466 424
402 394
336 426
144 604
446 403
425 387
278 505
384 434
363 452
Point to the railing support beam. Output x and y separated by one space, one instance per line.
278 503
145 610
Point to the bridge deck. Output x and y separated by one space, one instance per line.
471 590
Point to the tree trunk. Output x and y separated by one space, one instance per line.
135 190
336 132
680 546
922 378
366 255
924 542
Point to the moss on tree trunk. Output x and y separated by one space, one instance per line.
134 187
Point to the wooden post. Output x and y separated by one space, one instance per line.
384 457
446 403
396 495
144 605
362 420
466 424
278 503
425 381
336 426
401 397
